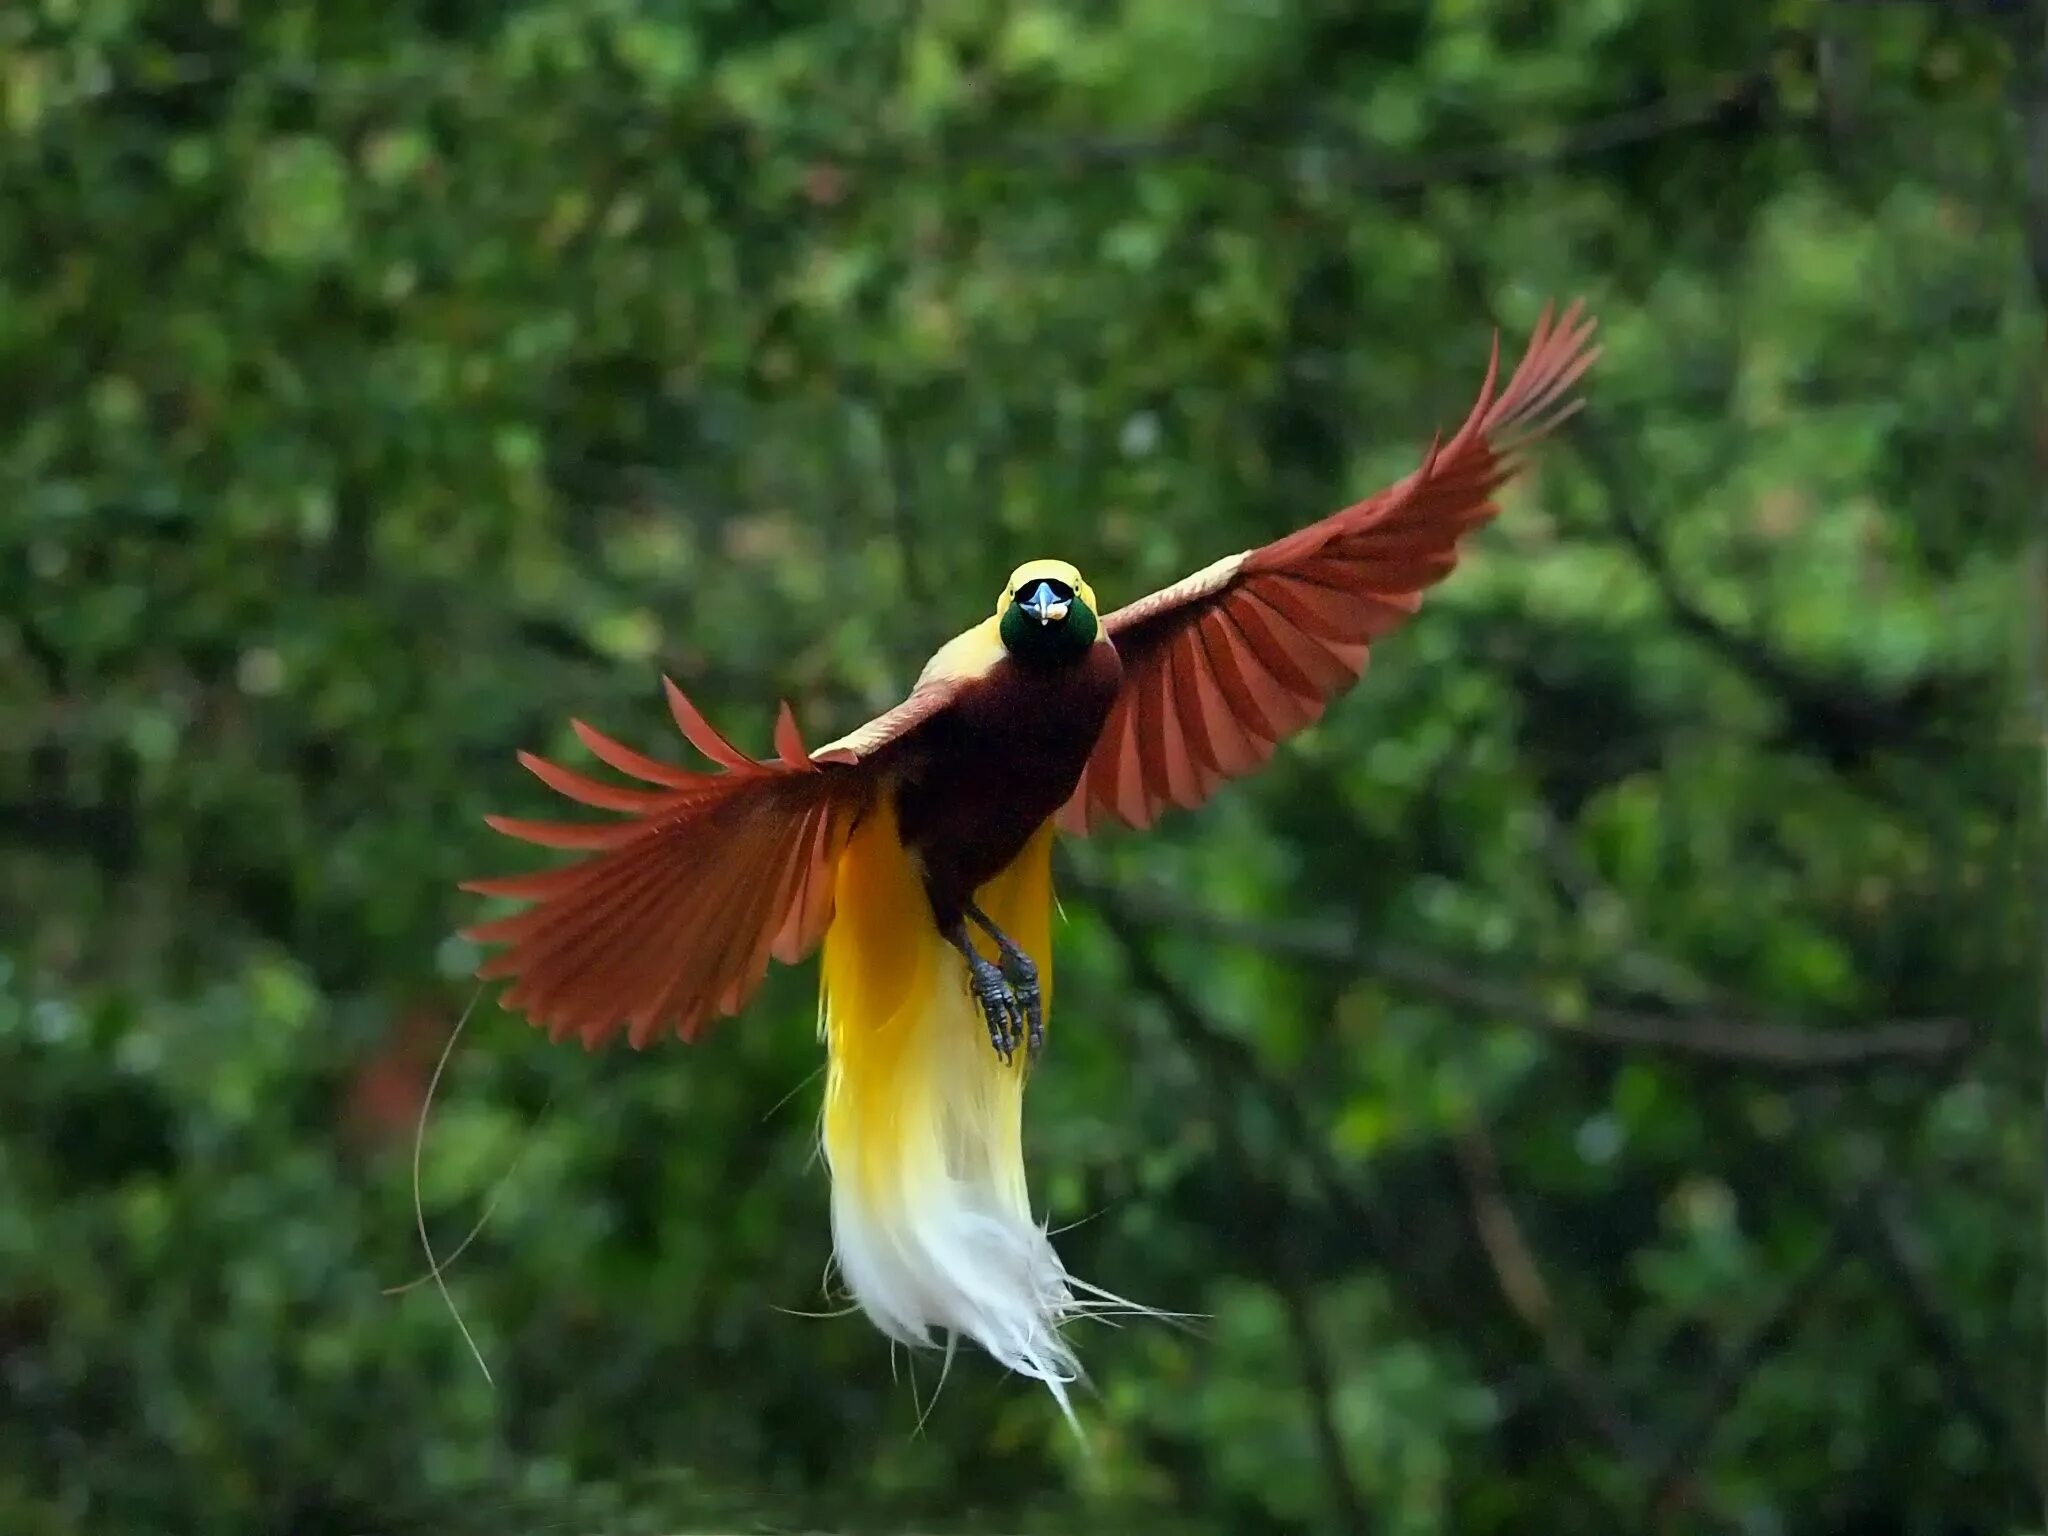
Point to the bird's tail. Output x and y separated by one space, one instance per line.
931 1220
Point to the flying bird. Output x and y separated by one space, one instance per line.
916 851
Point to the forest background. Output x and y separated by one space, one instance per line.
1591 1082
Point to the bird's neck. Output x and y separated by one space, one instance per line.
1044 646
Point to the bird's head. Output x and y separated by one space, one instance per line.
1046 612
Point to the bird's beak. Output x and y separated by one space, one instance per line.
1045 606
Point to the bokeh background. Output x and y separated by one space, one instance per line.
1590 1083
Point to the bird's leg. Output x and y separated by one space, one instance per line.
999 1005
1022 975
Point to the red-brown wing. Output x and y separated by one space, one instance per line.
1221 666
673 914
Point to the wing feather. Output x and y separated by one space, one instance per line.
1230 729
672 915
700 733
588 791
1223 665
1183 669
1181 767
1146 762
633 764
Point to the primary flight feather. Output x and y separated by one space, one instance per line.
918 850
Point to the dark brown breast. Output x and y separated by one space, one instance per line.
1004 758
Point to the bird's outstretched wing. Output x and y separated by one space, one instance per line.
1221 666
672 915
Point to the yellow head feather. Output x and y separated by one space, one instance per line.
1047 570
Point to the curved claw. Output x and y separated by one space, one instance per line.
1024 987
999 1006
1036 1015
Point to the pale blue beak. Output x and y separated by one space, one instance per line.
1046 605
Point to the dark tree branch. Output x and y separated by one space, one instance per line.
46 654
1838 717
1234 1062
1888 1237
1225 1065
1756 1045
106 836
1360 165
1739 1363
1298 1303
1526 1291
1337 149
1230 1068
1640 969
554 637
1519 1275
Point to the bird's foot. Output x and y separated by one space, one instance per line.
1000 1006
1021 974
1022 977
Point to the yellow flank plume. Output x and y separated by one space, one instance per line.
923 1122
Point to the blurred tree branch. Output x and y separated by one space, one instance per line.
1739 1363
1224 1065
1298 1304
1843 721
105 835
1640 968
1734 99
1335 146
1882 1230
1751 1044
1229 1060
1229 1067
1840 719
1866 1215
1522 1285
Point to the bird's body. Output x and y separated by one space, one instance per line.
999 764
917 849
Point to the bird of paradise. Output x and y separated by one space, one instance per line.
918 850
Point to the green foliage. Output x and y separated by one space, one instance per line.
1513 1075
